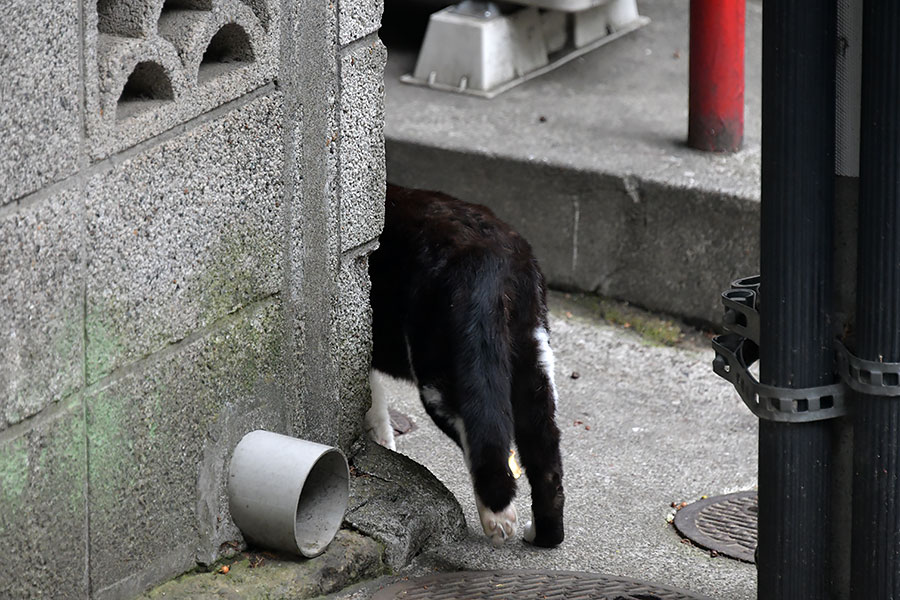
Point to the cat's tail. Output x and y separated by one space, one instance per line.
482 375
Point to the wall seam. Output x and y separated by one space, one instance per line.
113 160
576 221
289 314
83 162
360 250
339 141
22 427
84 411
359 42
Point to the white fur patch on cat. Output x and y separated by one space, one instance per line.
378 421
498 526
530 531
545 358
433 400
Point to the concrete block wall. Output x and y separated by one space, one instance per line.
190 192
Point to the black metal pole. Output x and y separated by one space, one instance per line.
875 562
795 293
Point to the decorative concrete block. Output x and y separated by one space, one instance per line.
191 56
262 11
159 440
355 344
41 304
129 18
362 143
183 234
40 88
137 76
359 18
42 520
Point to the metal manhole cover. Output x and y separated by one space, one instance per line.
726 524
529 585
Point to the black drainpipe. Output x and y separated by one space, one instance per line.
796 351
875 561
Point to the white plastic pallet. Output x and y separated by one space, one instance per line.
484 54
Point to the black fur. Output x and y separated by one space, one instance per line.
459 293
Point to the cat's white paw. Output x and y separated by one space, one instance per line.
378 421
530 532
379 432
498 526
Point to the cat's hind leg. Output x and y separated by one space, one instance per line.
485 443
537 437
494 485
378 420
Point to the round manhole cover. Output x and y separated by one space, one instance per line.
726 524
529 585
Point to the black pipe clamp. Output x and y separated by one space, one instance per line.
738 349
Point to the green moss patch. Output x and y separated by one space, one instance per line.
350 558
653 328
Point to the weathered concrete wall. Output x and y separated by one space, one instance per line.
190 192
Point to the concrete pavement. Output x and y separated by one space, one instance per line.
643 426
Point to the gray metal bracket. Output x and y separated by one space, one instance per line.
737 350
868 376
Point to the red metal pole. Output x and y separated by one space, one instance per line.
716 113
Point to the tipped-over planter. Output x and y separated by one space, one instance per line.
287 494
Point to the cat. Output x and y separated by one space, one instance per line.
459 308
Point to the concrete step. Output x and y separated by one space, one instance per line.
589 162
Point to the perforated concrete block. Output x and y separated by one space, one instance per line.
183 234
359 18
159 441
41 304
191 57
152 69
40 113
128 18
362 169
42 520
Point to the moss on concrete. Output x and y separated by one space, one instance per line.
350 558
13 476
56 462
236 271
654 329
103 345
107 431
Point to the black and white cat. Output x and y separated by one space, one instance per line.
459 308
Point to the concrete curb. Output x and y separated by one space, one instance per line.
400 503
659 245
